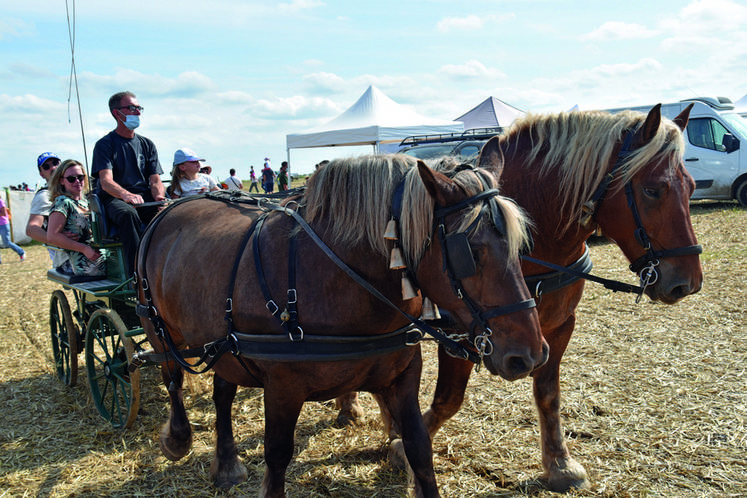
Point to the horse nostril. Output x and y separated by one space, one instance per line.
518 365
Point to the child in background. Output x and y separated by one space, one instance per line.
186 178
70 213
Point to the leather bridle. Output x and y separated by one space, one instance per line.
645 266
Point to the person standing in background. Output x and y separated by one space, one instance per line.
233 183
253 178
5 230
268 177
283 177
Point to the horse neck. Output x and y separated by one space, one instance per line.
540 197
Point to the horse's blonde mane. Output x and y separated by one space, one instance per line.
353 197
579 146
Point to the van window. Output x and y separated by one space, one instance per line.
707 133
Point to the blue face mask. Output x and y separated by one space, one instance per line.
132 121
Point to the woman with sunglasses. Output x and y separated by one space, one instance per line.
70 213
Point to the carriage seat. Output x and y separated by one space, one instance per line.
71 278
107 232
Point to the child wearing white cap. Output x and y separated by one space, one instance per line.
186 178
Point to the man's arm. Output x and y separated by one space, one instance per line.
34 228
107 183
156 188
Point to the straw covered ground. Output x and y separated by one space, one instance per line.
654 404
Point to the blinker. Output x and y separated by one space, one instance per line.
459 255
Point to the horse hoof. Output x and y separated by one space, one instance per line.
566 475
174 449
397 457
231 475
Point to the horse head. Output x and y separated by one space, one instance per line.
650 217
472 270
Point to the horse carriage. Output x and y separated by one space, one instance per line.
329 260
103 326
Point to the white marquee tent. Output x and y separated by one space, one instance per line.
490 113
374 119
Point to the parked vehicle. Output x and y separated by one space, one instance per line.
465 146
713 139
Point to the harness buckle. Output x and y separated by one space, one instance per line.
414 336
272 307
292 296
296 337
229 305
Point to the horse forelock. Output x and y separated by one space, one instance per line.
517 223
579 146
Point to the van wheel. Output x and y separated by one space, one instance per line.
741 192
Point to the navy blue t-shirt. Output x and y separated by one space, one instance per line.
132 161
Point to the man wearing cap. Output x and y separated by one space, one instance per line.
128 172
36 228
187 177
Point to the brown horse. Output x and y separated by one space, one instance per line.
334 335
574 173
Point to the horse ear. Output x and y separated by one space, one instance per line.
439 186
650 127
491 156
683 117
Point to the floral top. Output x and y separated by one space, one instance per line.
78 221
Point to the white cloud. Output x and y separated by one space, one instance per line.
296 107
298 5
470 23
705 17
613 30
12 28
471 69
323 83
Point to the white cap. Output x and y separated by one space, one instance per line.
184 155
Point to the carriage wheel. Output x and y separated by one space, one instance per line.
115 390
64 338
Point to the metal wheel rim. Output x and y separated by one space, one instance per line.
115 390
63 332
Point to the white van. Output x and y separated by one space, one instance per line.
713 139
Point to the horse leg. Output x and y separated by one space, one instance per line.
281 415
401 401
226 469
176 434
350 409
562 472
451 386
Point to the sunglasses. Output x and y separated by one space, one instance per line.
50 163
132 108
74 178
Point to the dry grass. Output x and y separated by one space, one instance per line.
654 404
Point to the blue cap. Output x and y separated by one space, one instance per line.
43 157
184 155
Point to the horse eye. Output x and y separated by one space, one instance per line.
651 192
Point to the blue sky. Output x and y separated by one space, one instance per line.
230 78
